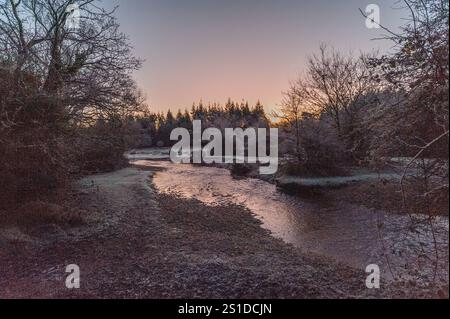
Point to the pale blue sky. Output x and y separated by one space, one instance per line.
247 49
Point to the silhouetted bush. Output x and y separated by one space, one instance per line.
319 152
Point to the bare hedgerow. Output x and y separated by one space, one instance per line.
57 82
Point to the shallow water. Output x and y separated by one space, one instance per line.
349 234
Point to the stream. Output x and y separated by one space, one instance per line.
350 234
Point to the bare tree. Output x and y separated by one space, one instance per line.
87 67
414 127
65 90
417 124
333 83
291 115
337 87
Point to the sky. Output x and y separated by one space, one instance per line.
212 50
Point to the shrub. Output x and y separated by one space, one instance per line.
320 151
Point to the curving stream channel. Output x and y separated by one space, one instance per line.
350 234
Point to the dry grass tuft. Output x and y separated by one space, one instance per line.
38 213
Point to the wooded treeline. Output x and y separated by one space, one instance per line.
69 105
153 129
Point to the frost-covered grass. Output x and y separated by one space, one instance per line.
332 181
162 153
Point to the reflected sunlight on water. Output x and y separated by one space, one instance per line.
347 233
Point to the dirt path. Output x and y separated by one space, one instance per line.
140 244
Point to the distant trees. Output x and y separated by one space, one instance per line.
184 120
291 116
232 114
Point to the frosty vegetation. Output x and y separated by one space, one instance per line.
63 95
69 106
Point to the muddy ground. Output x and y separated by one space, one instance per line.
136 243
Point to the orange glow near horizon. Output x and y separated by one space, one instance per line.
248 50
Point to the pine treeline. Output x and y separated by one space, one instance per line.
154 129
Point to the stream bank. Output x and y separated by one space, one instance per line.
138 243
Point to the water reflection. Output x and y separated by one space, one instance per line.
350 234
